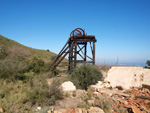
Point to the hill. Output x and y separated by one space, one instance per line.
10 48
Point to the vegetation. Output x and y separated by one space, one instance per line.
23 74
104 103
23 85
10 48
148 62
19 96
85 76
11 69
23 78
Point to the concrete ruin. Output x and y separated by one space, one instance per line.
128 77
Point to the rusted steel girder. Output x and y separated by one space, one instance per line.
73 48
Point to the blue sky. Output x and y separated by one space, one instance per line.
121 27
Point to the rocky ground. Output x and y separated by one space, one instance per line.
102 98
123 91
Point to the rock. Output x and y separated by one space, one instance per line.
38 108
60 111
90 102
78 110
68 86
128 77
147 101
95 93
1 110
49 111
68 103
55 111
100 84
70 111
111 92
84 110
95 110
135 109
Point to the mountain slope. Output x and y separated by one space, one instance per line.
12 49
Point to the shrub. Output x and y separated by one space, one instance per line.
11 69
17 97
104 103
18 51
43 94
14 98
53 57
3 53
148 62
86 75
38 65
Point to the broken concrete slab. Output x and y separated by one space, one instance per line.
128 77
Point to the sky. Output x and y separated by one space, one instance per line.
121 27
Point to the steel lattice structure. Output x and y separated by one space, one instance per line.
73 48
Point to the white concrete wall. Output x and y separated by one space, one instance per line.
128 76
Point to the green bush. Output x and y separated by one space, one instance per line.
104 103
38 65
11 69
86 75
148 62
14 99
17 97
3 54
53 57
43 94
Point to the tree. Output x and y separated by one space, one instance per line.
148 62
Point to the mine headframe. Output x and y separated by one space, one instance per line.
76 46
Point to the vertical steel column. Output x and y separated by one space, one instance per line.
70 56
85 51
94 53
75 55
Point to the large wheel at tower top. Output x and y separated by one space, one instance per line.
77 31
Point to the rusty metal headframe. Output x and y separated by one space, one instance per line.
73 48
77 31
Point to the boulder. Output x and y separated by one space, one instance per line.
78 110
95 110
68 86
90 102
128 77
1 110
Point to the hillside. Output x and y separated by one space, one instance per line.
10 48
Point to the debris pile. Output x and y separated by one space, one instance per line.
138 100
134 100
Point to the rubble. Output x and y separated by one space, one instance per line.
135 100
101 84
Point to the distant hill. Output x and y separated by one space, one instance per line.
10 48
